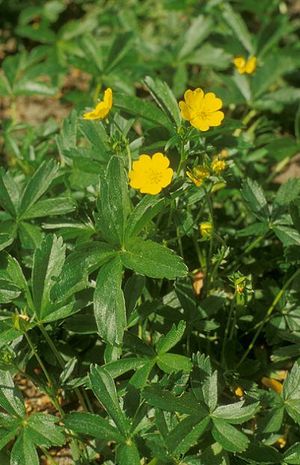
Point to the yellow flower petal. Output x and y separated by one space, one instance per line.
160 161
240 64
102 108
151 189
193 97
251 65
211 102
200 123
215 118
107 99
185 111
272 384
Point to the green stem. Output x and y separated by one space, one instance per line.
211 243
40 361
182 157
82 397
268 314
226 333
254 243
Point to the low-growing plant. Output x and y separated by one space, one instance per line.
149 264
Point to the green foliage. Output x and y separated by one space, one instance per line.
163 328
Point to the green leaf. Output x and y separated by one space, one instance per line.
255 199
273 420
95 132
167 401
288 192
10 397
165 99
229 437
109 302
292 455
92 425
174 362
128 454
120 47
186 434
119 367
86 258
196 33
8 291
287 235
48 261
210 391
11 270
8 193
291 393
142 214
170 340
43 431
38 185
291 386
236 413
113 203
5 240
260 453
104 389
238 27
7 436
24 451
143 109
49 207
154 260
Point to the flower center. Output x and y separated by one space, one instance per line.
203 115
154 176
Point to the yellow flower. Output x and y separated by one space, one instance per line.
201 110
224 153
218 165
245 66
239 392
206 229
102 108
151 175
281 442
198 174
272 384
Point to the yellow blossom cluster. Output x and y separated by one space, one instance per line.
150 174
